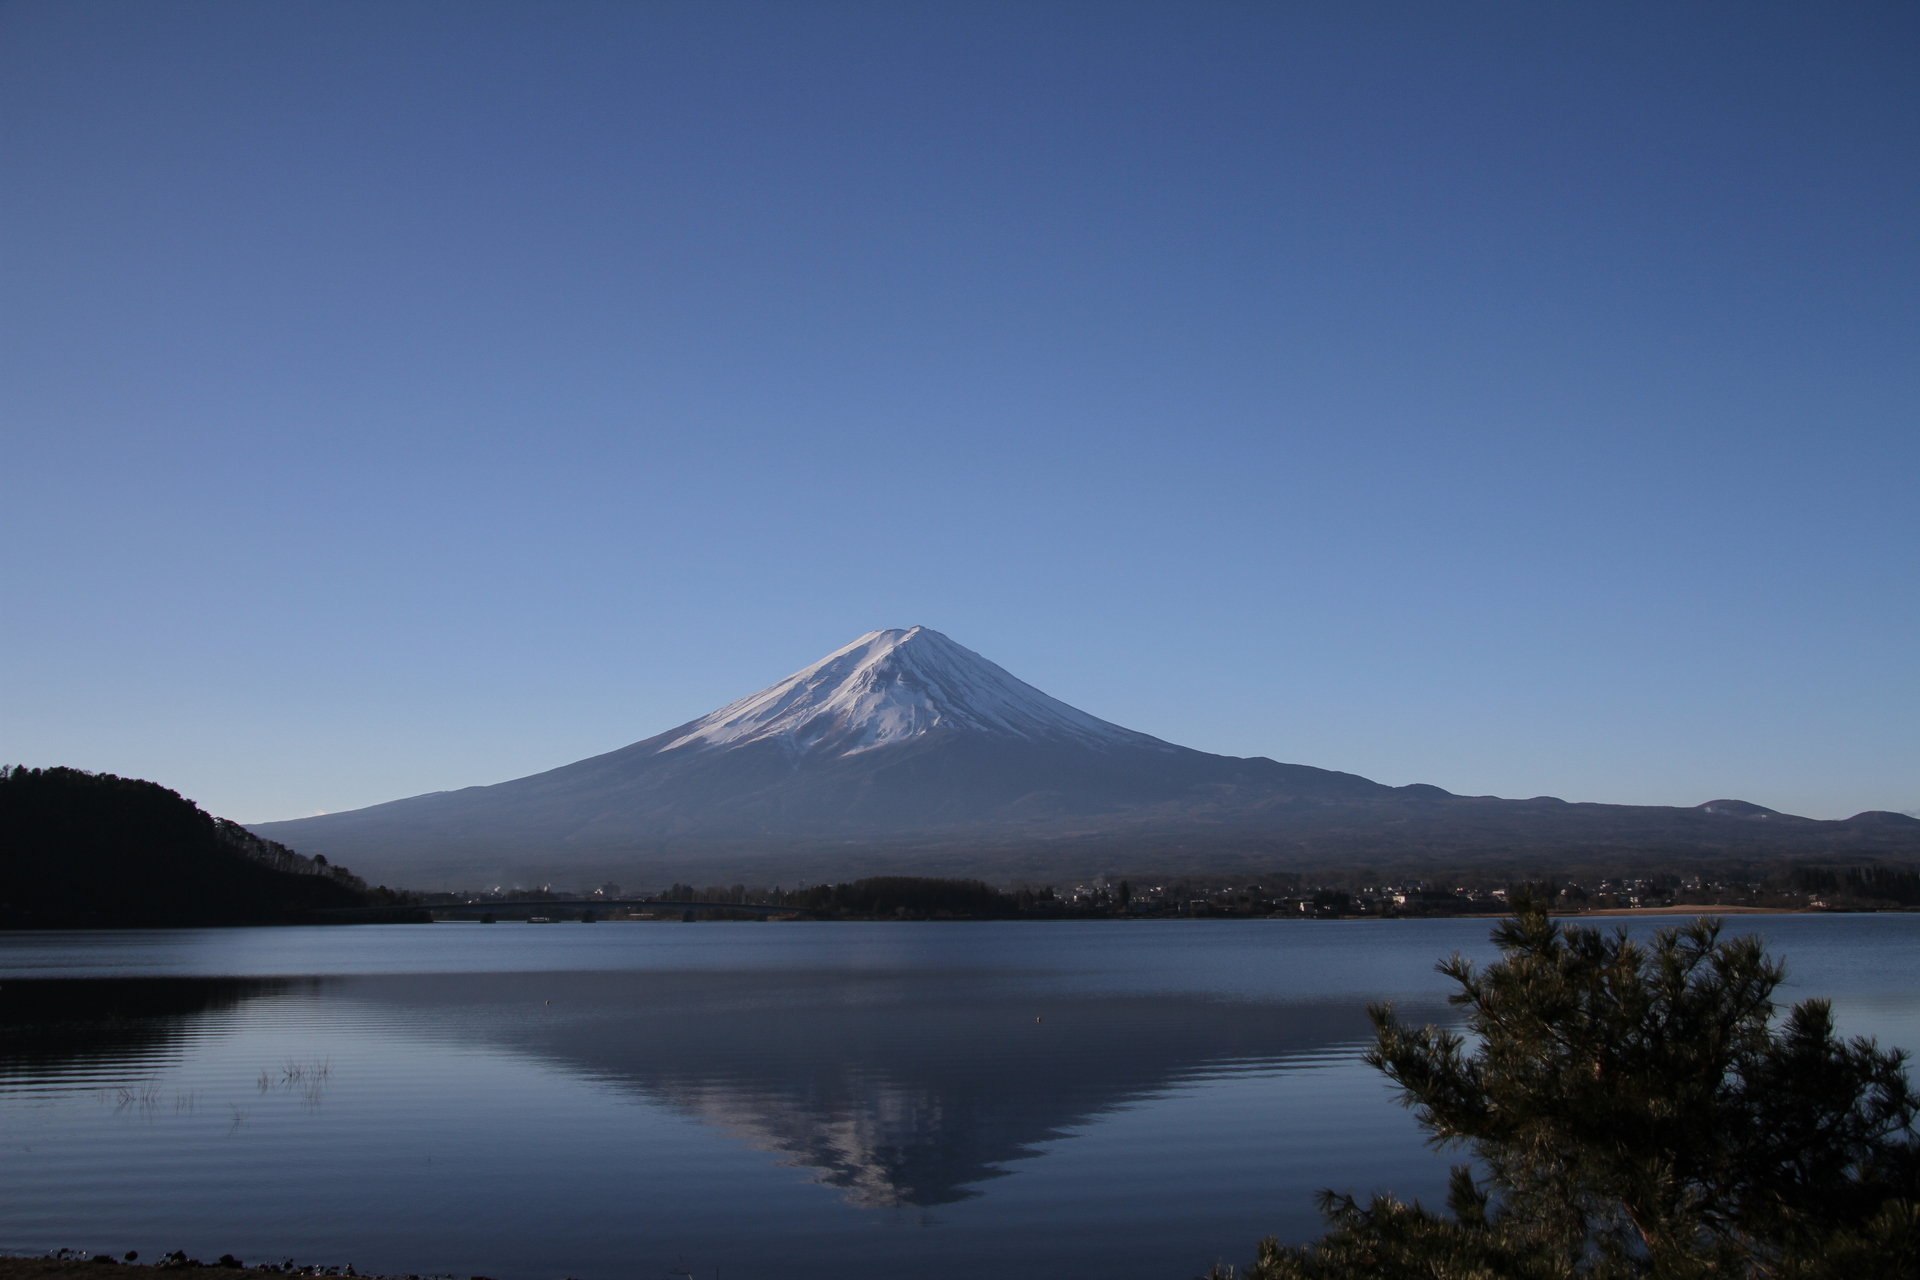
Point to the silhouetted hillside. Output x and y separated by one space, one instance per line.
91 850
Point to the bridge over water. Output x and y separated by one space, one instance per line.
424 913
599 905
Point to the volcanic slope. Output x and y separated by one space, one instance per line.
905 751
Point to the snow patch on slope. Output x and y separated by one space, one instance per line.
893 686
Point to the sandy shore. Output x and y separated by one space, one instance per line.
1687 911
1558 914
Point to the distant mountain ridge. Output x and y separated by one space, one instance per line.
907 752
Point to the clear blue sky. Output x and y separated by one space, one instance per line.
1519 398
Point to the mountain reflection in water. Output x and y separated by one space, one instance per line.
903 1089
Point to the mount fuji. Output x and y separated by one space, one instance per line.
890 687
907 752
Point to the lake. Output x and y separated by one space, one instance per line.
1123 1099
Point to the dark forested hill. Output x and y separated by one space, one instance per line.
80 850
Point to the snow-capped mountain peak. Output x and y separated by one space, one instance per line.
892 686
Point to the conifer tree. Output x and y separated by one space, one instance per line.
1635 1111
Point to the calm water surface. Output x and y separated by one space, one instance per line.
1125 1099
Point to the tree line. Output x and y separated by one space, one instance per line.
898 897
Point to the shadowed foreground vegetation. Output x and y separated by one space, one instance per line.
91 850
1635 1112
70 1264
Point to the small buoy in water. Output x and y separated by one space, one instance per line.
546 1002
1039 1019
